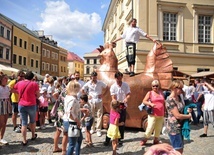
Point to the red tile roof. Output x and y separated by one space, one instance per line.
73 57
95 51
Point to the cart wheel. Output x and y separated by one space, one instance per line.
106 119
144 123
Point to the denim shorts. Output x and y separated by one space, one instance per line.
65 126
26 111
88 124
15 107
176 141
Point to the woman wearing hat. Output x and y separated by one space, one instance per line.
43 106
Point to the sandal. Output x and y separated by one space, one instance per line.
35 136
24 144
156 141
57 150
143 142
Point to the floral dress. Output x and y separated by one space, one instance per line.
174 125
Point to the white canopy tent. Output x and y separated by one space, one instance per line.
8 70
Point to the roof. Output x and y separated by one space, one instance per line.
95 51
176 73
73 57
203 74
20 26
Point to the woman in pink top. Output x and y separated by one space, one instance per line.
113 130
28 92
43 106
154 99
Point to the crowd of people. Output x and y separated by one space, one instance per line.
71 104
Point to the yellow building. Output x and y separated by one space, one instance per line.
75 63
26 48
185 28
63 64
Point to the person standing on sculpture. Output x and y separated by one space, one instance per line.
132 36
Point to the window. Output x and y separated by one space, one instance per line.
2 31
169 26
14 58
8 34
25 60
1 52
61 69
37 64
32 47
20 42
25 45
202 69
48 53
15 40
43 66
95 61
20 60
37 49
87 61
87 70
31 62
44 52
47 67
204 29
7 54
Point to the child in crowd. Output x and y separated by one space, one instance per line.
113 130
43 106
87 117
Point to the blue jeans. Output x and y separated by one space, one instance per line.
74 142
199 111
176 141
26 111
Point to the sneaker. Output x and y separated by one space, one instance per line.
18 130
43 127
2 141
99 134
203 135
83 129
132 74
92 131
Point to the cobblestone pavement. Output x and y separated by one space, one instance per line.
43 145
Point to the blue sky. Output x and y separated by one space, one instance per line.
75 24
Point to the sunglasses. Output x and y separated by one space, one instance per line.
155 86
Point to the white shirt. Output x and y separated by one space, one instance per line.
94 90
132 34
208 100
188 92
71 102
81 85
4 92
120 92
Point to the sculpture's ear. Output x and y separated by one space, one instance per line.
100 49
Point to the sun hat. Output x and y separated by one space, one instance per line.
43 89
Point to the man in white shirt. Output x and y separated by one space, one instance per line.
95 88
120 91
132 36
77 79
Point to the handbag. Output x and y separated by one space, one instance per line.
73 131
148 109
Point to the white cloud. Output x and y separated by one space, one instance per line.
103 6
66 25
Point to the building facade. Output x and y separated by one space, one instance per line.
91 63
63 64
185 28
75 63
49 56
5 41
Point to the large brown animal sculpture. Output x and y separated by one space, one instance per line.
158 66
